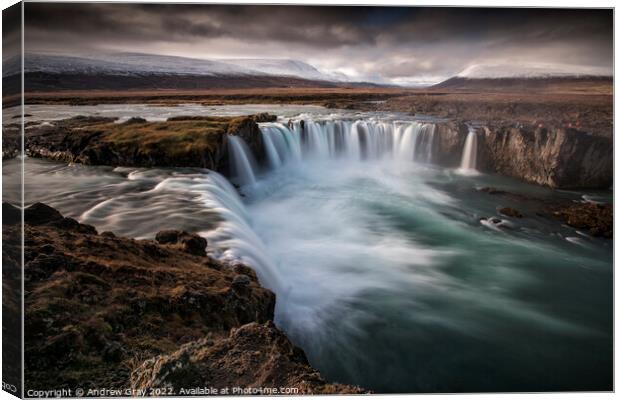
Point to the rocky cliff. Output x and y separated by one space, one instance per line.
554 157
109 312
178 142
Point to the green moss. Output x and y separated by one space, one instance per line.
176 139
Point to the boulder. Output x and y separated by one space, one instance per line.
41 214
510 212
595 219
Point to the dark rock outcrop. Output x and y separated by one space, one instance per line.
253 357
98 307
592 218
510 212
595 219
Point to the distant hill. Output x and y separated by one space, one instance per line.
527 77
50 72
594 84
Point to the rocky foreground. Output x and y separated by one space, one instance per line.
109 312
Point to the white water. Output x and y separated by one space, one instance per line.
242 163
470 152
358 140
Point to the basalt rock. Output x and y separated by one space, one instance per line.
554 157
559 158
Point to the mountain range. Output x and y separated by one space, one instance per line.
118 71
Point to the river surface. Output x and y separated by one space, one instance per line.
384 272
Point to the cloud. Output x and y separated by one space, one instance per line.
390 44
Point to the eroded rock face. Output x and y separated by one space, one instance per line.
450 140
253 356
558 158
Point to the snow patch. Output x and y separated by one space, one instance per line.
537 70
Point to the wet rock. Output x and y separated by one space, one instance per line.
491 190
596 219
510 212
265 117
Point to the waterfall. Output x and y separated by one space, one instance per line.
354 140
468 160
242 162
270 149
425 145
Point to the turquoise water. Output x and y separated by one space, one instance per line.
395 285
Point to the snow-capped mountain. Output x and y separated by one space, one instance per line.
530 70
520 77
137 63
285 67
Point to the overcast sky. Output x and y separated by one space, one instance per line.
382 44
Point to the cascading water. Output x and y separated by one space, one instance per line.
353 140
470 150
242 162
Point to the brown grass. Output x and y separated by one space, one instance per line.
177 138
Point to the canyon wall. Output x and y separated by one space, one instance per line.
554 157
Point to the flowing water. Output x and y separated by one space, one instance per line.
470 151
384 272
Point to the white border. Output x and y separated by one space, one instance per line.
458 3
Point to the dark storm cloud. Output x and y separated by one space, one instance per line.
371 42
319 26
